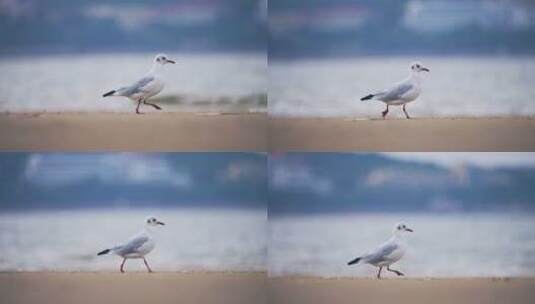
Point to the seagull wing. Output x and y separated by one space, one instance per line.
382 253
132 245
396 92
137 87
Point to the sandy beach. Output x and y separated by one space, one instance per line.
57 288
254 132
414 291
130 132
420 134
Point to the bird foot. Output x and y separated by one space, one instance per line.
157 107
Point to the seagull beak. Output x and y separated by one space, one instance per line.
409 230
425 70
170 61
160 223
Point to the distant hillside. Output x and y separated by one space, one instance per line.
319 183
304 28
88 26
101 180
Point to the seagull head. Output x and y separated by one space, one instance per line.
401 228
417 67
152 221
162 59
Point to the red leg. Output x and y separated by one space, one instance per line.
147 264
399 273
122 264
385 112
138 104
406 114
151 104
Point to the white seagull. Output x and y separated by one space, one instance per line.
146 87
402 92
388 253
138 246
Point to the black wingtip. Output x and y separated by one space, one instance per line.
367 97
355 261
109 93
103 252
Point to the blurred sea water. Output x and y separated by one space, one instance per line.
75 83
449 245
455 87
191 240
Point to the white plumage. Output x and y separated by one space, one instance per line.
402 92
148 86
387 253
138 246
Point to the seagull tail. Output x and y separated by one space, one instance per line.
110 93
367 97
355 261
105 251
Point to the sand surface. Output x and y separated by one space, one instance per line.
237 288
131 132
255 132
415 135
157 288
414 291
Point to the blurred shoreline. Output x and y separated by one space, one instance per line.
206 82
456 86
211 240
